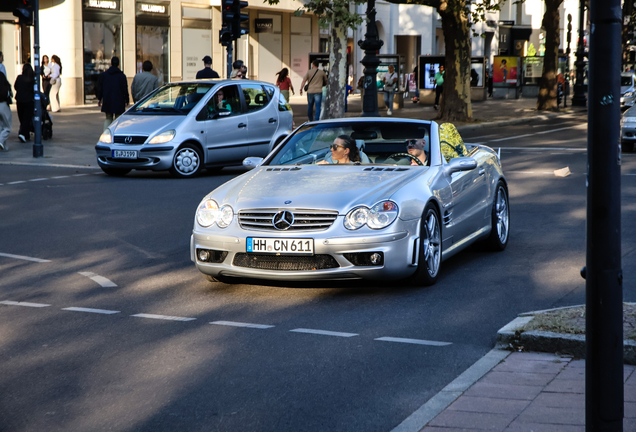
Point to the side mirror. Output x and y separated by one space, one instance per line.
252 162
460 164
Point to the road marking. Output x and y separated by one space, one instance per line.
241 324
545 148
98 311
27 304
413 341
532 152
59 177
17 182
482 136
39 179
163 317
323 332
80 175
531 172
99 279
556 130
26 258
511 138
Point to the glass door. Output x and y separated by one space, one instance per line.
153 43
102 41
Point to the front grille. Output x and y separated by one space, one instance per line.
304 220
285 262
134 139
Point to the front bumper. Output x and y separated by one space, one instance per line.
398 244
156 157
628 132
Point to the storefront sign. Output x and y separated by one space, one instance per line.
264 25
102 4
505 22
152 8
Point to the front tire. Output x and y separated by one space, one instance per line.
500 233
430 254
187 161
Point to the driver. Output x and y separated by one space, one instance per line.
219 103
415 147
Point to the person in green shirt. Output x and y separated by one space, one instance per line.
218 103
439 85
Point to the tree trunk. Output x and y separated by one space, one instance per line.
548 84
333 105
455 104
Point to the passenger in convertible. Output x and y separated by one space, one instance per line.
415 147
343 151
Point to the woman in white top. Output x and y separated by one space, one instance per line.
390 84
56 82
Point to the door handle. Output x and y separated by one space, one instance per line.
482 171
242 125
272 120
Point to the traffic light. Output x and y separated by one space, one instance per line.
238 18
228 14
225 36
24 12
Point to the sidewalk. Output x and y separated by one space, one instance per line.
526 392
77 129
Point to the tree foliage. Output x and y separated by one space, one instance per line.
338 15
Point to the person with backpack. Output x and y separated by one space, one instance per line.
24 100
5 111
315 79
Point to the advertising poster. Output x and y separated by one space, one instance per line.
534 67
196 42
504 71
430 69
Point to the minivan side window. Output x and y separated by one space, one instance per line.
224 99
255 97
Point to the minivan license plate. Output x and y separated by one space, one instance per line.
280 246
125 154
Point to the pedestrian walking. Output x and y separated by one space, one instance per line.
5 112
56 83
24 101
45 73
236 69
390 83
2 68
439 85
315 79
283 82
144 82
112 92
207 71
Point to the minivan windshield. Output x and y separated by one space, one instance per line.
174 99
626 80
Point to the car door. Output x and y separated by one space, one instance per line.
262 115
225 127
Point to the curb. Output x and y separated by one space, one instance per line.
512 335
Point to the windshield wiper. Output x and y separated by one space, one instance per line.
162 109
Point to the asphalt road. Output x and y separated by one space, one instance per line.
120 247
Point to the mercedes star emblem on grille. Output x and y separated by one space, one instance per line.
283 220
128 139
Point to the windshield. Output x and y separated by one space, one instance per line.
176 99
626 81
383 143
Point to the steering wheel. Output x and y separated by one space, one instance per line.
408 155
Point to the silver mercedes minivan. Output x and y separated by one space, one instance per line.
186 126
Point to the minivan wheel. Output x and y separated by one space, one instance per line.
187 161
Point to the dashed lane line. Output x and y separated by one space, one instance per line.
412 341
106 283
242 324
163 317
323 332
27 304
511 138
49 178
89 310
25 258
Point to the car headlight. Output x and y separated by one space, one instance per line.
163 137
628 94
379 216
106 137
209 213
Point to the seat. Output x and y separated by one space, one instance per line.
451 142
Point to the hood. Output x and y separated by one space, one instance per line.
133 124
625 89
316 187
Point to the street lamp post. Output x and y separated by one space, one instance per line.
579 98
371 44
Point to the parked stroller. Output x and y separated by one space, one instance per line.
47 122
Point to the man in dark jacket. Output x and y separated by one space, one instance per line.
207 71
112 92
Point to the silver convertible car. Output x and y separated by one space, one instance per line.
186 126
388 214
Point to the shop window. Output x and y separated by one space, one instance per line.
255 97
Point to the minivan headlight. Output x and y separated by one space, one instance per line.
163 137
106 137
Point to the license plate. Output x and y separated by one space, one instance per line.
280 246
125 154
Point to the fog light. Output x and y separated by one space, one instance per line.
376 258
204 255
